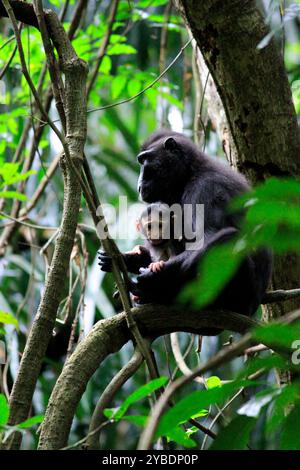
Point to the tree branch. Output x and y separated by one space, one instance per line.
223 356
75 110
108 395
107 337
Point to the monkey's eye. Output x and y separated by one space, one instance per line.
144 155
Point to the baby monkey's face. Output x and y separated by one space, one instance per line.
155 229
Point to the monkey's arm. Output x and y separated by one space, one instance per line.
138 258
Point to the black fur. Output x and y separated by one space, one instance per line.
173 170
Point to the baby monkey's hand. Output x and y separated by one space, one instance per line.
157 266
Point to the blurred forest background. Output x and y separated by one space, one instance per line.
131 44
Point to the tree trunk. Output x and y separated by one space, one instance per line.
256 96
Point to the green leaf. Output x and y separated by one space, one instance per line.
134 87
213 382
28 423
13 195
105 66
280 335
56 3
193 404
8 319
287 396
118 85
215 270
258 363
181 437
8 170
235 436
136 419
137 395
152 3
116 49
290 435
4 410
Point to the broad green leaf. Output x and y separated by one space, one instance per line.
4 410
258 363
134 87
181 437
136 419
56 3
8 170
137 395
116 49
21 177
290 435
213 381
280 335
288 395
152 3
28 423
194 403
13 195
235 436
8 319
215 270
105 66
118 85
274 189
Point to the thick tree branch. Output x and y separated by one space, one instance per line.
107 337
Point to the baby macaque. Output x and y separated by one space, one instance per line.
156 224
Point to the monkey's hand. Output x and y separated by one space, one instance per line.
157 266
159 286
134 260
137 250
104 261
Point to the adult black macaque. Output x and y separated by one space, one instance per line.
173 170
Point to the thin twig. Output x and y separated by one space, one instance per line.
280 295
127 100
12 55
27 224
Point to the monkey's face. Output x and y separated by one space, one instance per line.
155 224
154 232
163 170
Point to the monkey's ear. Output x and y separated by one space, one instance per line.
170 144
138 226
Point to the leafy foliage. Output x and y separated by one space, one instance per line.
231 404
